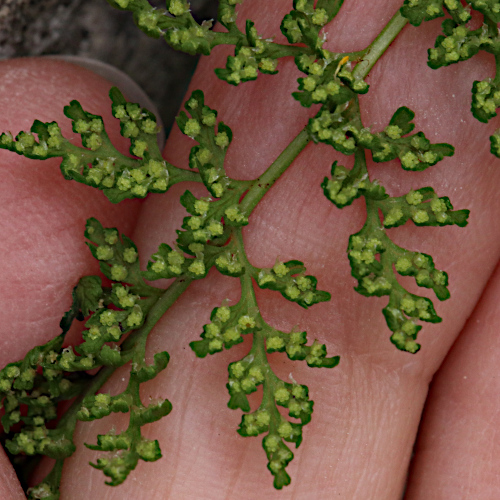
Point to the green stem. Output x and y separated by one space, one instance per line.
172 293
69 419
376 49
262 185
182 175
254 195
227 38
372 223
278 50
492 25
355 56
275 50
496 80
54 477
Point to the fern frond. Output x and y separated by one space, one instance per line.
98 163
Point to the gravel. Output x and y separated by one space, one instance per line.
91 28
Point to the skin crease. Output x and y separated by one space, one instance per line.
368 409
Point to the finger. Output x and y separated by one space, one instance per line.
456 452
10 489
42 216
367 410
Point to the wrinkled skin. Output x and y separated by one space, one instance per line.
368 409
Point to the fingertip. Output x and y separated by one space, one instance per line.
43 86
42 216
129 88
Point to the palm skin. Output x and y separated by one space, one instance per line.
368 409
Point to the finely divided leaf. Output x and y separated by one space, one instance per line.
98 163
88 293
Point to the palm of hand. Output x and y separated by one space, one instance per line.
367 410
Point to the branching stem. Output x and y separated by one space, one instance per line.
264 183
171 294
377 48
496 80
136 341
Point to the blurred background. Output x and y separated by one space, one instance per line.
91 28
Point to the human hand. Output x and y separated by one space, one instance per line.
367 410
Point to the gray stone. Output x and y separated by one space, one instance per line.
30 27
91 28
